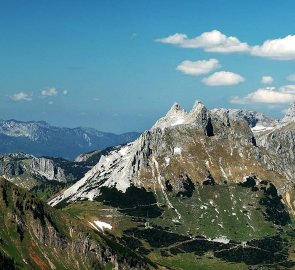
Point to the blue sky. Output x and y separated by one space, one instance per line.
111 64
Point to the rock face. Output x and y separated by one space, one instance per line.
290 114
48 169
29 171
18 164
221 144
199 116
253 118
42 139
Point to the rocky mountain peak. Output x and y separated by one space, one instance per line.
198 109
197 106
178 116
175 116
290 114
175 108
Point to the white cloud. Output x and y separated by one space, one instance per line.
198 67
50 92
291 78
223 78
269 95
267 80
50 102
21 96
65 92
288 89
280 49
213 41
176 39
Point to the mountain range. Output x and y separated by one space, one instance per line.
201 189
42 139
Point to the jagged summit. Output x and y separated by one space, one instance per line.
197 105
175 108
178 116
290 114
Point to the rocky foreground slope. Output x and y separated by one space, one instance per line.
36 236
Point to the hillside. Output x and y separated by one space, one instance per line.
33 235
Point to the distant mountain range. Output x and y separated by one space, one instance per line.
42 139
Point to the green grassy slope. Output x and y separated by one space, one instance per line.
222 226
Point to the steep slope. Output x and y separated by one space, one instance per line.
42 139
36 236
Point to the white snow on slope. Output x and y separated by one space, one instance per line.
167 161
100 225
117 165
261 128
177 151
220 239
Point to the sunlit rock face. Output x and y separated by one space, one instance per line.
222 144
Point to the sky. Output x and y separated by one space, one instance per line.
119 65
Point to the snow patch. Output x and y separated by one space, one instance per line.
100 225
261 128
220 239
167 160
177 151
177 121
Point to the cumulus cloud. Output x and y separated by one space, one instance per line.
223 78
50 92
269 95
213 41
280 49
65 92
21 96
267 80
198 67
291 78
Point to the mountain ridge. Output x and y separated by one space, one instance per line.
42 139
220 124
